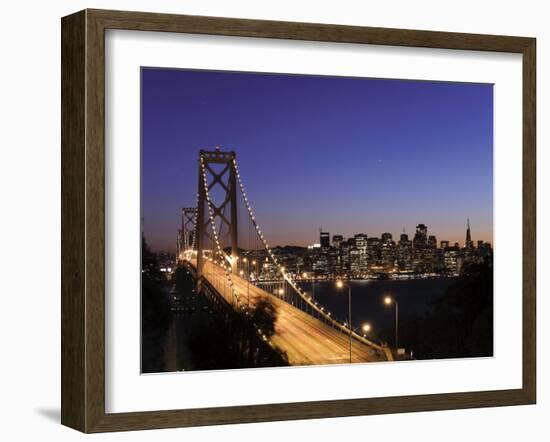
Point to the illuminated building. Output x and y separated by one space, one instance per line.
361 246
373 252
355 262
420 243
450 260
404 253
387 252
345 248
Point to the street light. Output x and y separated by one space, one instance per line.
340 284
256 272
366 328
388 300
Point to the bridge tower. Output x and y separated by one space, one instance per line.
226 179
188 220
179 247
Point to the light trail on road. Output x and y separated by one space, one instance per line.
305 339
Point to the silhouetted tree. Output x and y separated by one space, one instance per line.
230 339
264 315
156 316
149 262
460 323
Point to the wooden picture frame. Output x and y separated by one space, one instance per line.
83 219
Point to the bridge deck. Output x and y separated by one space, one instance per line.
305 339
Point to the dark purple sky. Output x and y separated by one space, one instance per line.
348 154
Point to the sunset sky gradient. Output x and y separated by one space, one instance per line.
352 155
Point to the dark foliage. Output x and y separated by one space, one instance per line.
229 340
156 316
264 315
149 263
183 280
460 323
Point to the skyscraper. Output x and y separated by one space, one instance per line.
373 251
469 243
345 255
432 257
387 251
421 235
355 262
325 239
404 253
361 246
420 242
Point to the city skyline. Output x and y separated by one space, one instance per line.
350 155
395 236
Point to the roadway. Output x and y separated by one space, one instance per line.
305 339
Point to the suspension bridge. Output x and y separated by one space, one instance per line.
221 241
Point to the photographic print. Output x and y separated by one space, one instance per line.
300 220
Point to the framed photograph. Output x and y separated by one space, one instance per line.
270 220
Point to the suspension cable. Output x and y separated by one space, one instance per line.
347 329
223 255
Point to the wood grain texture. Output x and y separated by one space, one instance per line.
83 220
144 21
529 221
95 222
73 253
